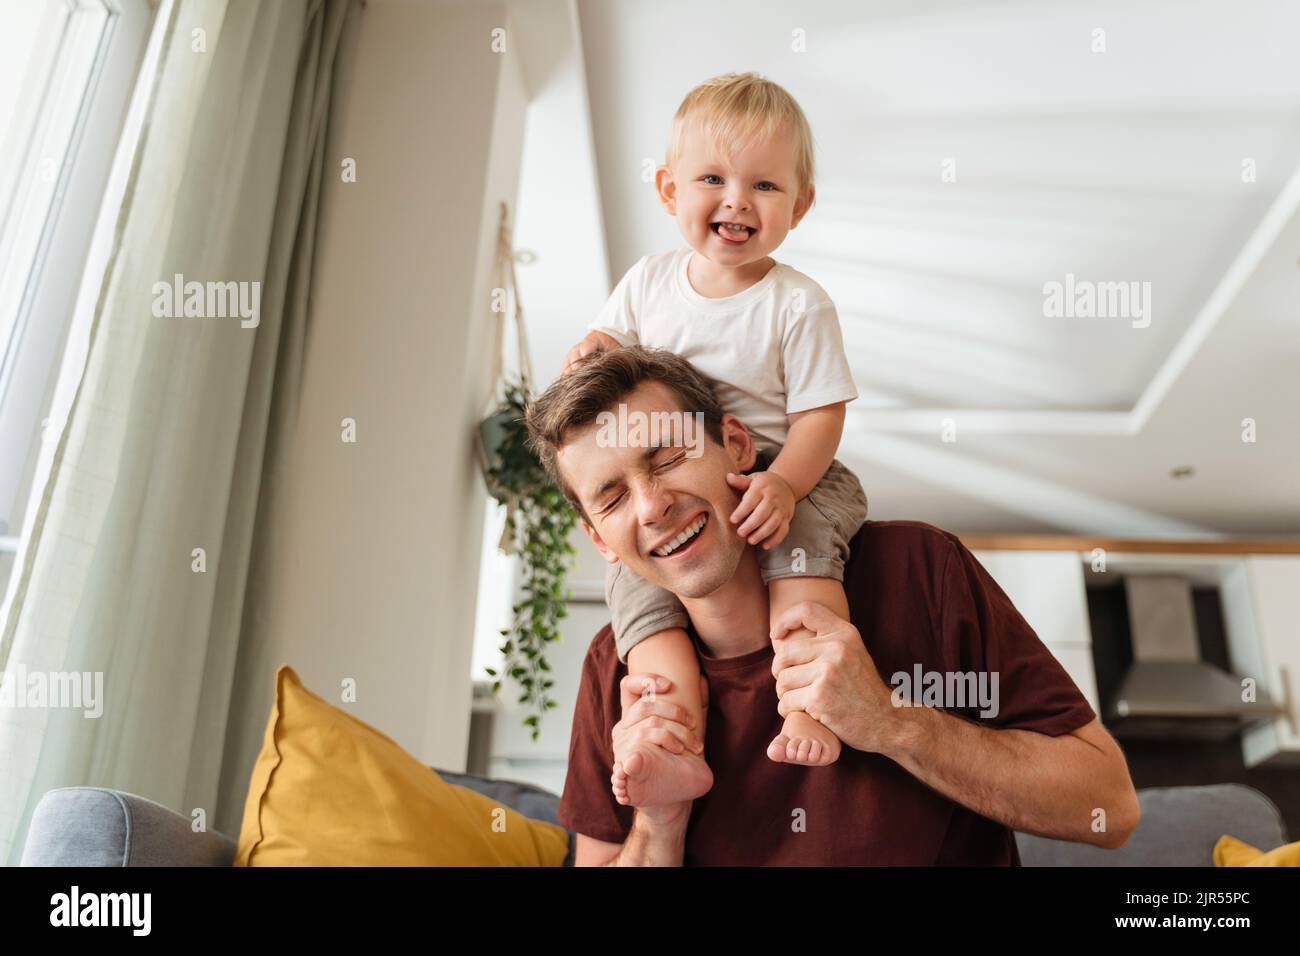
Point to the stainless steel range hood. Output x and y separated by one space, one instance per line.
1169 692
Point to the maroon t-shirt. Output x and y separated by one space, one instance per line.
916 595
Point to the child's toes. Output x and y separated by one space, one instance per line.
803 750
778 748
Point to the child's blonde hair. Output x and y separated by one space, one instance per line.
733 107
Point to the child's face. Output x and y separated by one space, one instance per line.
756 187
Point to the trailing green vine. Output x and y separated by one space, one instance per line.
539 521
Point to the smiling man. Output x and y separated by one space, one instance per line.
915 785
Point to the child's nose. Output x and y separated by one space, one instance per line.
737 200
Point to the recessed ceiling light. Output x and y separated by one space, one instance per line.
1182 471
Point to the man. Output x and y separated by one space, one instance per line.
914 785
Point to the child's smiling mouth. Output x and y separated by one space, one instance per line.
732 234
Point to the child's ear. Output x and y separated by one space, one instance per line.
600 544
802 205
667 189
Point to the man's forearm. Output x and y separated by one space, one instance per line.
653 842
1049 786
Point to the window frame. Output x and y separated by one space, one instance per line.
34 354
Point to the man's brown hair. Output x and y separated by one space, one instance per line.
602 380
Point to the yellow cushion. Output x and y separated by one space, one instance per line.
330 790
1230 851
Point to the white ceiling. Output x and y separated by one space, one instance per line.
1117 166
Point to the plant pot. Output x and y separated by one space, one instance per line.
493 433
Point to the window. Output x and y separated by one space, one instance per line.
67 68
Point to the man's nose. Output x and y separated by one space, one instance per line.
653 501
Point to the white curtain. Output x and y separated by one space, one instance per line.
168 437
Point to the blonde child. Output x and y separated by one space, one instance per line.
738 176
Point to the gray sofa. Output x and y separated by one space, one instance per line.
92 826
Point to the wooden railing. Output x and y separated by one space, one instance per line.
1065 542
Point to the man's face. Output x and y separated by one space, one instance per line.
756 186
642 499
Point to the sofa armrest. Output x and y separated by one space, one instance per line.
95 826
1179 827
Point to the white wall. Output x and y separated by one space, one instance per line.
560 217
372 558
560 223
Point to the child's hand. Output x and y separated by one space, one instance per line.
593 341
769 504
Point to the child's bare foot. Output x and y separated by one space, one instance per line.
805 741
654 775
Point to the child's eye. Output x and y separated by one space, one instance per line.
766 183
712 176
610 505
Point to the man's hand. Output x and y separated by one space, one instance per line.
766 507
832 678
651 720
658 835
1048 786
593 341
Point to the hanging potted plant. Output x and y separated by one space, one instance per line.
539 520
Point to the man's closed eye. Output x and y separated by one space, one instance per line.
614 502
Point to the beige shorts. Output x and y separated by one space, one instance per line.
817 546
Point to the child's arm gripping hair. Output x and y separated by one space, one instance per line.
593 341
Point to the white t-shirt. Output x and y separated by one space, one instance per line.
772 349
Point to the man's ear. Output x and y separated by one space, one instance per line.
802 205
738 443
599 542
666 187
